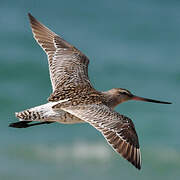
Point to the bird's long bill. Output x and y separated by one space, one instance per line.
137 98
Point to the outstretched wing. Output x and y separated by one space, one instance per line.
67 65
117 129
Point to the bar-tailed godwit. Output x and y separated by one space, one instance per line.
74 99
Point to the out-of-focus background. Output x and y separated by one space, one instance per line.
130 44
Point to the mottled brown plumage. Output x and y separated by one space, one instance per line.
72 70
74 99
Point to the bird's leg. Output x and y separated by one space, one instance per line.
25 124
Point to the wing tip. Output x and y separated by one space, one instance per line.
32 19
30 16
133 157
130 152
138 167
137 163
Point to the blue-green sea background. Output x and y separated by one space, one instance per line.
130 44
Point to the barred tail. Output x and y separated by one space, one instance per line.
29 115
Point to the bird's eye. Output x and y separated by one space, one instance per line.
124 93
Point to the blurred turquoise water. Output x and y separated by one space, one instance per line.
133 45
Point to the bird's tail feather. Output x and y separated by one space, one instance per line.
26 118
42 114
29 115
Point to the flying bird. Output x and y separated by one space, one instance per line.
75 100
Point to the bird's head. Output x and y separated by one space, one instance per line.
121 95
